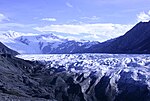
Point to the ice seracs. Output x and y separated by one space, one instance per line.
102 77
82 63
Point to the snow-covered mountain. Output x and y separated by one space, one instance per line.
45 43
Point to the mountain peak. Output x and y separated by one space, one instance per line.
52 35
12 34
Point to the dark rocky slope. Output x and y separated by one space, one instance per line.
6 50
136 40
16 82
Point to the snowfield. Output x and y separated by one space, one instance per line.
117 77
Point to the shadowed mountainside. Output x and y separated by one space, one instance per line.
135 40
6 50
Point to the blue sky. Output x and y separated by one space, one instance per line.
77 19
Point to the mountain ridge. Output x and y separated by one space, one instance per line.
135 41
44 44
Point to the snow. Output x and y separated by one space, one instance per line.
28 43
117 74
101 64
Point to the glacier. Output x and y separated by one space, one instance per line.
101 77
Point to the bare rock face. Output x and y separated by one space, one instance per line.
16 82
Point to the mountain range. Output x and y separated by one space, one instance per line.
135 40
43 44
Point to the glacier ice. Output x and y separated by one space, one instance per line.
111 77
104 63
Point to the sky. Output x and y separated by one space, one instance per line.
95 20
